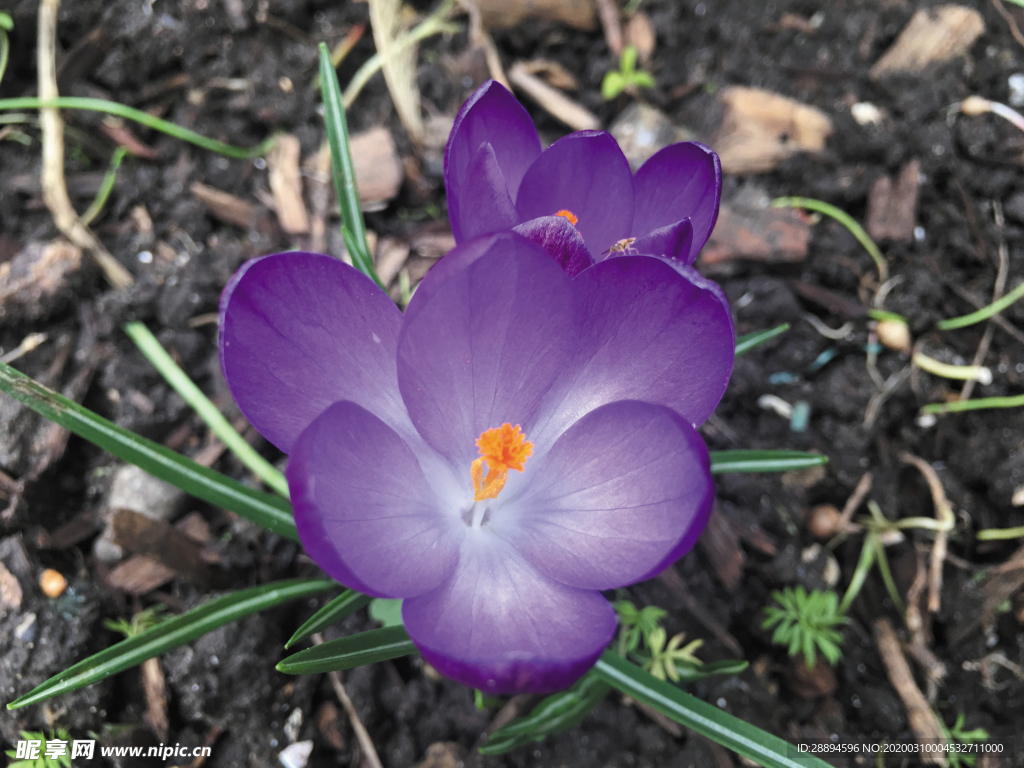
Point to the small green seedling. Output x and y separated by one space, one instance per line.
958 735
6 25
61 760
635 624
806 623
140 622
664 657
627 76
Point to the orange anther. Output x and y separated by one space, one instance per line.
501 448
568 215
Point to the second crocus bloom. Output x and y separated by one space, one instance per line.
578 198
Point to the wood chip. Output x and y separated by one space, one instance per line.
503 14
139 575
10 590
932 36
377 166
328 722
559 105
76 530
922 719
611 22
225 206
892 208
390 258
286 185
552 73
443 754
641 35
139 534
722 547
154 685
749 228
760 129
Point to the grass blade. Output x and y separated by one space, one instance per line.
763 461
748 341
984 313
348 652
172 633
343 172
345 604
208 412
846 220
144 118
708 720
272 512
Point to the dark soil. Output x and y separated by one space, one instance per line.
222 689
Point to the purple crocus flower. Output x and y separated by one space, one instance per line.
578 197
519 440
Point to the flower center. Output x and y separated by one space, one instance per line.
565 214
501 449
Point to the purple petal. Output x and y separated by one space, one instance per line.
500 626
483 204
300 331
559 238
485 347
612 498
672 242
587 174
656 331
364 509
681 181
492 115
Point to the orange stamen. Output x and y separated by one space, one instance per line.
568 215
501 448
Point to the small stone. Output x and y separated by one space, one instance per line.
52 583
137 490
895 335
866 113
26 630
1016 86
823 521
296 755
642 130
10 589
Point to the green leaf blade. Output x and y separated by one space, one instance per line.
171 634
353 229
764 461
748 341
272 512
344 605
348 652
738 735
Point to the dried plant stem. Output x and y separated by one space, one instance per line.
946 520
55 192
997 292
1014 29
923 721
862 489
919 634
362 736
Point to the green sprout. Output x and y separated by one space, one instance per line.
63 761
627 76
6 25
805 622
636 623
959 735
140 622
665 657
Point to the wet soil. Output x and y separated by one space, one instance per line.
219 68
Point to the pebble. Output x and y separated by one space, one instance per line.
296 755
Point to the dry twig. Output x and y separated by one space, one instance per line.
554 101
923 721
944 514
852 503
997 293
480 38
611 23
1014 29
919 634
55 192
365 742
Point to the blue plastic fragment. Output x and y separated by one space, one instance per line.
823 359
783 377
801 415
